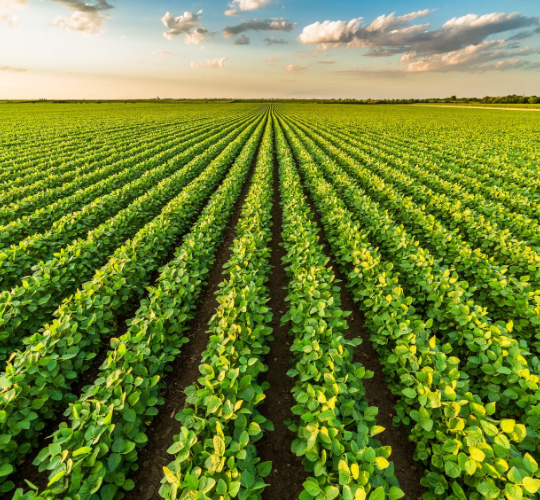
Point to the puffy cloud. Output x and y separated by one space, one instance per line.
271 24
7 12
391 34
330 32
188 25
242 40
249 4
12 4
87 17
162 52
10 69
272 59
272 40
218 62
232 12
294 67
83 6
326 62
11 20
89 22
471 58
513 64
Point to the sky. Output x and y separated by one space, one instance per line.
120 49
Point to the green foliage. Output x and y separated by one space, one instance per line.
336 426
446 420
45 370
215 456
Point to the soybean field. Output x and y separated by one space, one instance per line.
227 300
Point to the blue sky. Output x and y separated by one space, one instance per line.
268 48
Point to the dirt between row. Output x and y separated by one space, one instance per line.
185 371
408 472
288 474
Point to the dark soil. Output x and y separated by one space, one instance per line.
185 371
408 471
288 474
26 470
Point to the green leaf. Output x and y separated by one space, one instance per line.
312 487
395 493
114 461
219 445
247 480
6 470
108 491
192 482
530 463
5 383
488 490
234 488
470 467
513 492
531 485
264 468
377 494
409 393
452 469
221 487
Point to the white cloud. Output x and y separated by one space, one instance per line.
90 23
188 25
272 59
249 4
271 24
83 6
218 62
242 40
471 58
460 44
7 12
162 52
10 69
391 34
330 32
294 67
11 20
12 4
272 40
232 12
87 17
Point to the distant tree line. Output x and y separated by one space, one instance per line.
507 99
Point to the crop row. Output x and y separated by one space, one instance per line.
25 184
502 294
37 378
214 452
28 306
463 447
335 427
53 204
97 449
17 261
